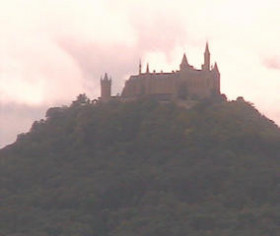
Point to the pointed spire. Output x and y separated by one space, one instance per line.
106 76
207 48
206 65
148 69
217 75
184 64
185 60
216 69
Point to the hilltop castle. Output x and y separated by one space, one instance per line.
186 83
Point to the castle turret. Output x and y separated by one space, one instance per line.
105 84
206 65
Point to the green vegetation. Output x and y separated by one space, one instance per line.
144 169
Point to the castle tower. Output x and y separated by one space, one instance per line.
206 65
105 84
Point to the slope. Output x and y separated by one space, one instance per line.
143 168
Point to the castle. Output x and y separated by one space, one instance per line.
186 83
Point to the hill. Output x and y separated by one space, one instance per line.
143 168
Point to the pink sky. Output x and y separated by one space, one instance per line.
51 51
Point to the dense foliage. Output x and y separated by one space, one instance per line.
143 168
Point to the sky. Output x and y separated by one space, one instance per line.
53 50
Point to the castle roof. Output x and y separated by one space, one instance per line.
185 64
106 78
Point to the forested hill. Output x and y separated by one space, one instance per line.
143 169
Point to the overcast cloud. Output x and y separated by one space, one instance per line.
50 51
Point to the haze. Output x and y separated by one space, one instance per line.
51 51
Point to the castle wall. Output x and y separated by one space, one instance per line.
193 83
150 84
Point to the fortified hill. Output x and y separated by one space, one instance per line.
186 83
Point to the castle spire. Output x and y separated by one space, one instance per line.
185 60
206 65
216 69
217 78
207 48
147 69
106 77
184 64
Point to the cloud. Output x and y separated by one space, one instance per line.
155 33
17 118
272 62
50 51
36 72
